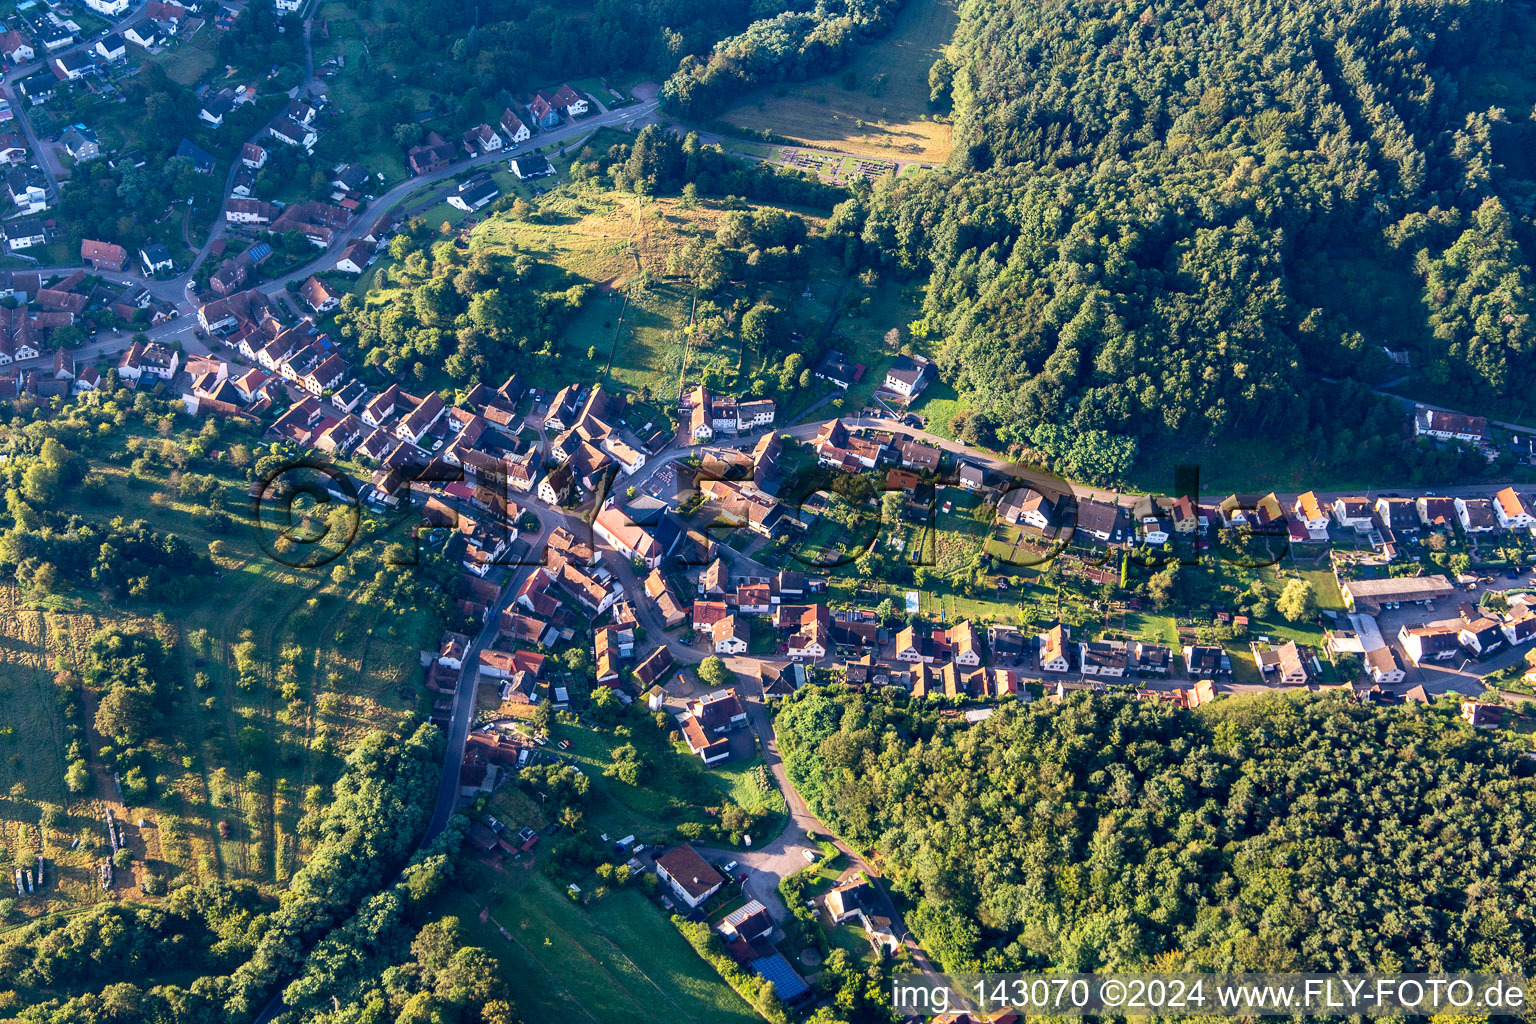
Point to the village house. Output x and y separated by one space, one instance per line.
530 166
1207 662
318 297
1436 513
1104 658
355 258
1152 523
1352 513
111 47
474 193
730 635
1476 515
1381 665
15 48
689 876
156 259
481 139
857 900
1449 426
632 541
433 154
1053 649
1428 643
1398 515
1310 512
103 255
908 375
1286 663
152 358
513 128
1514 511
1102 521
1025 506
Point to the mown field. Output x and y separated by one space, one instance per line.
617 959
329 669
877 107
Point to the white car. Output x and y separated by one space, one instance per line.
809 855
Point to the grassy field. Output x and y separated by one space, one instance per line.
679 788
616 959
188 62
878 107
330 669
639 337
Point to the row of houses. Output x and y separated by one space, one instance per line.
545 111
1480 633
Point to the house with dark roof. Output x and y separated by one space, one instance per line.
474 193
908 375
513 128
432 155
691 878
530 165
201 159
748 921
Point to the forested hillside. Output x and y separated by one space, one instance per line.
1139 193
1266 833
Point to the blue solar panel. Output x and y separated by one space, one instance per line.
786 983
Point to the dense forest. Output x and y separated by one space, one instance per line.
1268 833
475 51
1138 193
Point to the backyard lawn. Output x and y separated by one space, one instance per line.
678 789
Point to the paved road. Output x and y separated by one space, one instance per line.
464 698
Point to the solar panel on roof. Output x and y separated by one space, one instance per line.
786 983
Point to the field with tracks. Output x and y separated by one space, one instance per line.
234 764
877 107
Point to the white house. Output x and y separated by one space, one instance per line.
689 876
1103 658
1381 664
156 257
1311 513
111 47
1352 513
25 233
1448 426
1515 511
1053 650
513 128
293 132
626 537
629 460
908 375
109 8
1476 515
729 636
142 33
474 194
153 359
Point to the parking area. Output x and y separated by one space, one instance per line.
1460 674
